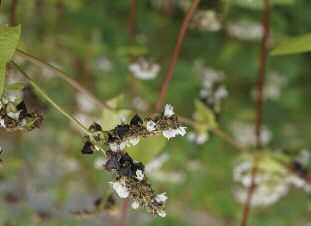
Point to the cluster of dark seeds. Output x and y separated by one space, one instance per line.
121 134
16 117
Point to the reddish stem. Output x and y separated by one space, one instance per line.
13 8
126 205
131 20
259 104
171 68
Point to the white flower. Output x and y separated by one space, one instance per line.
161 213
168 111
99 162
139 175
123 118
157 162
151 125
135 205
14 115
220 93
120 189
117 147
245 30
144 69
134 140
2 124
173 132
161 197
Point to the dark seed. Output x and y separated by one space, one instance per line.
126 158
138 166
126 171
122 130
111 138
95 127
23 108
88 148
112 163
136 120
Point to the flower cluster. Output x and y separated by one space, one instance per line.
144 69
14 116
244 133
272 181
130 175
205 20
245 30
131 181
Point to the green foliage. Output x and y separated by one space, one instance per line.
9 37
294 45
258 4
15 87
148 148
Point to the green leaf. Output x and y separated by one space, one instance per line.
204 116
9 37
112 118
15 87
298 44
147 148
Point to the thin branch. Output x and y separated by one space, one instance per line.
259 104
52 102
64 76
131 20
126 205
171 67
13 9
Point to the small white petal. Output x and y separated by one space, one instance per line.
161 197
139 175
14 115
135 205
134 140
170 133
168 111
120 189
161 213
151 126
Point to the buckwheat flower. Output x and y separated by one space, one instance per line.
121 190
161 213
198 138
168 111
135 205
117 147
151 126
245 30
156 163
161 197
134 140
99 163
170 133
14 115
220 93
2 124
182 130
144 69
139 175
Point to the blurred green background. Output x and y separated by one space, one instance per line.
45 178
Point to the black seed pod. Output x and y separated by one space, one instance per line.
126 158
122 130
112 163
136 120
95 127
23 108
126 171
88 148
138 166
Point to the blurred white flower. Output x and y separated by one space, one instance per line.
84 103
156 163
121 190
245 30
117 147
140 104
104 64
161 197
162 213
134 140
205 20
135 205
144 69
151 126
99 162
246 136
174 177
197 138
168 111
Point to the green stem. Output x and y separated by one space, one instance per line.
44 95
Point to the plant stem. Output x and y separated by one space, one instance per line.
45 96
64 76
131 20
126 205
13 8
259 104
171 68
